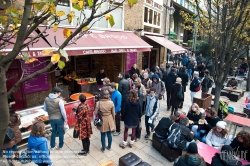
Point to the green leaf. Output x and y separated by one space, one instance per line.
75 6
61 64
90 2
14 14
64 54
25 56
132 2
99 5
111 20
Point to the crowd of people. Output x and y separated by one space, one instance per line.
140 93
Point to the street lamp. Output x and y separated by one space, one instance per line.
171 12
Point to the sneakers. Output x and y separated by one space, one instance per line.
137 139
116 133
147 135
82 153
108 148
123 144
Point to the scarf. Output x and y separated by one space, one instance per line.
215 132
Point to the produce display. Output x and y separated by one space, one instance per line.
81 81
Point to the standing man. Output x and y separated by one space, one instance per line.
184 77
99 78
116 97
206 82
199 59
152 105
194 85
57 116
190 66
134 72
169 82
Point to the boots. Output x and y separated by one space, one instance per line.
123 144
131 143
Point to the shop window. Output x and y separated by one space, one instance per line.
146 14
147 29
150 16
159 19
156 30
63 2
155 17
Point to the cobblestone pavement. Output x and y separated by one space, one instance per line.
68 155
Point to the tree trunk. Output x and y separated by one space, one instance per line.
248 76
217 95
4 109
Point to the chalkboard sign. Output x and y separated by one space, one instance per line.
130 60
38 83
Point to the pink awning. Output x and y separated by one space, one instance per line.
175 49
99 42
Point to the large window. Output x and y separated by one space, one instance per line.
146 14
155 17
159 19
150 16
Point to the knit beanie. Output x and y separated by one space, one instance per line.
192 148
221 124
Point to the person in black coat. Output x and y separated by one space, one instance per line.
175 101
241 145
184 77
169 82
99 78
194 115
206 124
134 71
123 88
205 82
201 68
194 85
161 130
225 158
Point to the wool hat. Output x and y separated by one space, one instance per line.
178 79
192 148
221 124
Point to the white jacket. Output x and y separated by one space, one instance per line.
215 141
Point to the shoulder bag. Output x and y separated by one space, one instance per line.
98 118
179 94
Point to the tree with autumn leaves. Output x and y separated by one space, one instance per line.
225 25
17 27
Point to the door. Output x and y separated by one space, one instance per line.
145 60
153 58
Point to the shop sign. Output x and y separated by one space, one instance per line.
104 36
106 51
156 3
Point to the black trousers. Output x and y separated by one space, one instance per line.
168 99
173 110
143 107
43 164
118 121
86 144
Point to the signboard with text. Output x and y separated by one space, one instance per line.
130 60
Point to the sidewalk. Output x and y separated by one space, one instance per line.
68 155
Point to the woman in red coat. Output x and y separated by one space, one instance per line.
11 146
175 101
84 125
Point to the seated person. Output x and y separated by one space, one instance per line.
225 158
241 144
218 136
205 125
232 83
194 115
185 138
179 115
161 129
191 158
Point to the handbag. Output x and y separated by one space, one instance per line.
9 135
198 88
179 94
76 133
98 118
25 157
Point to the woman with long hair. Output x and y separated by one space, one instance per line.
38 145
107 110
83 124
10 147
194 115
241 144
218 136
131 116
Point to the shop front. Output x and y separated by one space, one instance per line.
111 50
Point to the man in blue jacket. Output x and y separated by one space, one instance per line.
116 97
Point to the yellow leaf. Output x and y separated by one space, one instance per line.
85 28
46 52
55 58
52 8
69 17
107 16
90 2
55 27
31 60
4 3
74 1
60 13
80 3
72 13
66 33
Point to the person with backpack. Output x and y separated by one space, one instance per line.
191 158
206 83
180 136
161 130
151 111
177 95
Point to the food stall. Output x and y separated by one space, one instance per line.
28 116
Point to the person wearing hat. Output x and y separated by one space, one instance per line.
57 116
175 100
225 157
191 158
218 136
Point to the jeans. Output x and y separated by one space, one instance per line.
192 94
57 126
118 121
103 139
189 72
200 135
194 128
9 151
148 124
168 99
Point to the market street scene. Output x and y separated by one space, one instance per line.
124 83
